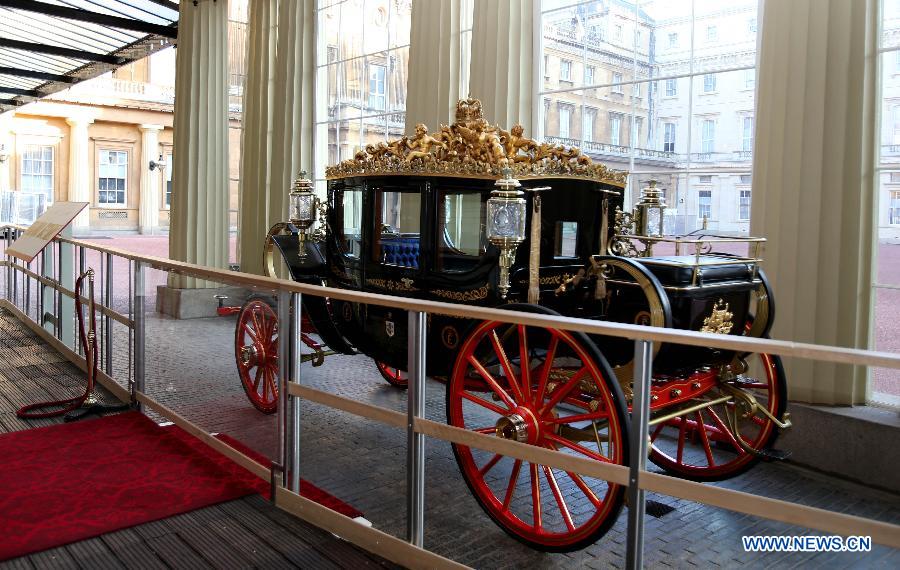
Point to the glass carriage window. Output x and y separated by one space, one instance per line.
350 204
461 239
397 228
566 239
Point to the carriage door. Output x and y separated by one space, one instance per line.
394 267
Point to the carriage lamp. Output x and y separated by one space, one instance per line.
506 223
649 211
303 205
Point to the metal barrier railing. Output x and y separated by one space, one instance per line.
17 296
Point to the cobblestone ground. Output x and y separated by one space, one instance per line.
191 368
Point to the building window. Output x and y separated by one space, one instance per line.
617 32
894 209
617 82
615 130
708 136
168 180
637 37
673 40
669 137
113 177
744 206
712 34
636 131
377 87
749 78
704 202
565 122
589 75
671 87
705 179
709 83
747 141
746 178
637 90
751 25
895 177
546 66
37 170
565 70
588 126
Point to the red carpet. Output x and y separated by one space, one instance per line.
70 482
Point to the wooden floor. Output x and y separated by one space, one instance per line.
246 533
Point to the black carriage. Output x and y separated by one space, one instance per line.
478 215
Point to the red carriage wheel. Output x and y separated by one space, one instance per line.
549 388
394 376
702 445
256 352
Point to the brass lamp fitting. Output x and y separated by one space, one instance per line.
303 207
506 211
649 211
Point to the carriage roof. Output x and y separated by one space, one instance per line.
473 148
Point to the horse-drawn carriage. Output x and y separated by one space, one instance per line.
478 215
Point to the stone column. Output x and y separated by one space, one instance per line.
435 59
813 184
79 170
199 213
149 208
256 135
504 61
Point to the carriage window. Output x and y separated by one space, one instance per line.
566 239
351 214
461 237
397 215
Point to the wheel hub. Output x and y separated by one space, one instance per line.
250 355
513 427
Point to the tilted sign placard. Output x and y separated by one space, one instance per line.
44 229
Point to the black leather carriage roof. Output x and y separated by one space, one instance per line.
678 270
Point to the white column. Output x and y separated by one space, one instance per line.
79 170
503 61
813 186
199 216
435 60
6 149
256 135
149 208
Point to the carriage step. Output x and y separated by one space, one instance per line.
774 454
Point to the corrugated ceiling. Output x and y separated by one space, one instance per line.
48 45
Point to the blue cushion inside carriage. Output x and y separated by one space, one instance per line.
402 250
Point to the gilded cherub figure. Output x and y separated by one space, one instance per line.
483 141
420 146
514 141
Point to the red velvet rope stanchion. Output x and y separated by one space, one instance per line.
89 344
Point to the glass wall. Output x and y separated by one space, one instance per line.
663 89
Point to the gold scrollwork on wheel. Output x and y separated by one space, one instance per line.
472 147
404 285
473 295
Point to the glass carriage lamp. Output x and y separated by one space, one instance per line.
506 211
650 211
303 204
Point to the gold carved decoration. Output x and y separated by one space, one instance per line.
473 295
472 147
404 285
719 321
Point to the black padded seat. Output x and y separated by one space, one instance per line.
678 270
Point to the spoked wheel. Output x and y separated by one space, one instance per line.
394 376
548 388
703 445
256 352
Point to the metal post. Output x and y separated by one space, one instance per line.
640 416
415 455
107 320
294 402
59 296
139 333
27 290
40 291
284 371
